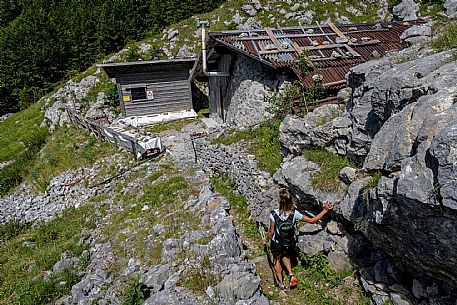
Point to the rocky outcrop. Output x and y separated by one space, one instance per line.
406 10
382 88
64 191
234 280
73 95
323 127
403 128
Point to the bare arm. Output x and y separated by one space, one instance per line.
327 207
270 232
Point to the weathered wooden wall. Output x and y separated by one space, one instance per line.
170 85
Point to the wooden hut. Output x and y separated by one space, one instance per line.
152 87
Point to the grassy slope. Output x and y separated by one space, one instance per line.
23 269
18 129
66 149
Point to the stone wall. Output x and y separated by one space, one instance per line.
255 185
246 101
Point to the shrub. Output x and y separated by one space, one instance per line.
295 98
136 294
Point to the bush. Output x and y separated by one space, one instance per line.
136 294
295 98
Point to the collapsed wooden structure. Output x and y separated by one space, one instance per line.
323 53
127 138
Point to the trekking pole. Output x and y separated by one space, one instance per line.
267 250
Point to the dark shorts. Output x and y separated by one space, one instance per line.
277 249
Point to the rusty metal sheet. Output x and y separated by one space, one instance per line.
364 39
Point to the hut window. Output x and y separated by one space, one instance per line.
138 93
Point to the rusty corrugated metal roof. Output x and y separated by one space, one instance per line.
333 49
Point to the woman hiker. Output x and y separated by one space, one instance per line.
282 234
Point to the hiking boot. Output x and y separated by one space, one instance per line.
281 286
292 281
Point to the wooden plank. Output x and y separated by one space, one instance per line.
324 47
352 51
273 38
284 36
336 30
296 47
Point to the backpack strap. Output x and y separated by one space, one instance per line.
291 217
275 216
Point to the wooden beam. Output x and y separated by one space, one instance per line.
336 30
273 38
296 47
352 51
322 47
284 36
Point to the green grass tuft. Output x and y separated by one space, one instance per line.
448 38
135 294
315 277
172 125
264 145
372 183
330 166
11 230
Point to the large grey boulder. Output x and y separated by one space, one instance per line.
416 34
443 155
237 285
406 10
451 8
323 127
156 277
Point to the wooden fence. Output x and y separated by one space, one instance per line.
118 136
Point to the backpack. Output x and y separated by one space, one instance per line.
285 230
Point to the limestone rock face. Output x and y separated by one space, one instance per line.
404 120
323 127
406 10
382 89
402 126
443 154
